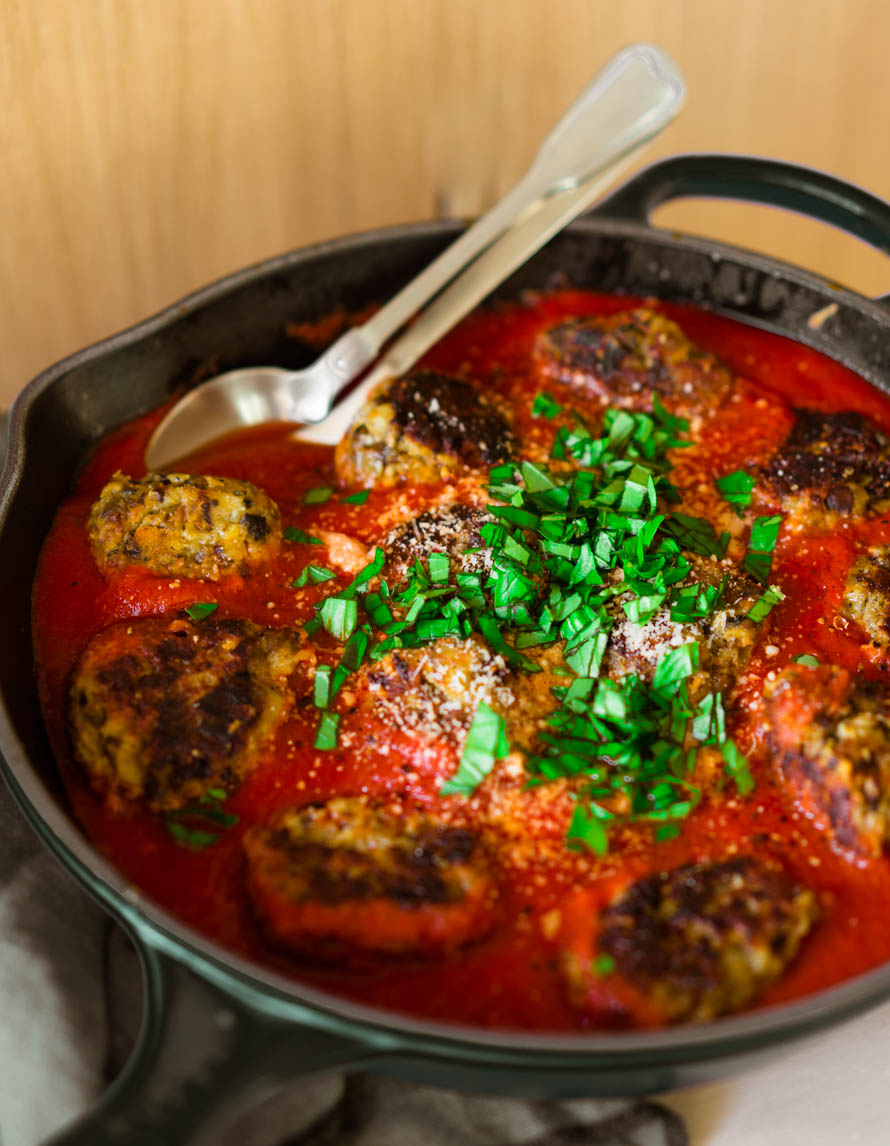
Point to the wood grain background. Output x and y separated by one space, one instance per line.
149 146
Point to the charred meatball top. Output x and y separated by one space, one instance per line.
628 359
162 710
831 466
422 427
183 525
706 939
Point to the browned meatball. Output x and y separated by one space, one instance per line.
331 881
164 710
831 466
183 525
867 595
726 638
450 529
706 939
423 427
627 358
831 732
434 690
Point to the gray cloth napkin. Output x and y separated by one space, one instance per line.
70 998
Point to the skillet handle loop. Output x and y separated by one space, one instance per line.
203 1055
767 181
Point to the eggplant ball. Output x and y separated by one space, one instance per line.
450 529
726 637
706 939
352 876
627 359
867 595
162 710
422 427
831 733
433 691
831 466
183 525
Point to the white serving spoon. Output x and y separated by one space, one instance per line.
635 96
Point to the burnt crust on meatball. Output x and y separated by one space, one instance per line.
183 525
726 638
831 734
354 875
162 710
866 598
422 427
625 359
706 939
454 530
831 466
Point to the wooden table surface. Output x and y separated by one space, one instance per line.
149 146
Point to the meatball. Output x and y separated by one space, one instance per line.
450 529
352 876
831 466
867 595
423 427
726 638
706 939
625 359
183 525
164 710
434 690
831 733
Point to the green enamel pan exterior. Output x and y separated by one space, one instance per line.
219 1032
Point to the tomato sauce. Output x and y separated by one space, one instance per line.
550 894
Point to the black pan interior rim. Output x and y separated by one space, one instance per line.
722 1037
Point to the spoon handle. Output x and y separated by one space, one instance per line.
636 95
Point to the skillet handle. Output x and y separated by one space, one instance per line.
768 181
203 1055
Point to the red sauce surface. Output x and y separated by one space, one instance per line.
508 980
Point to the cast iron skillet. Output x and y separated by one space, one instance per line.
219 1030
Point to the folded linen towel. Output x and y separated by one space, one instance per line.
70 999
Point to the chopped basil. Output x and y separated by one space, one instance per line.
189 825
339 617
486 744
439 567
737 488
291 533
696 534
587 831
322 686
758 560
675 667
318 495
763 606
545 406
603 965
737 767
358 498
201 610
806 659
318 574
326 736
